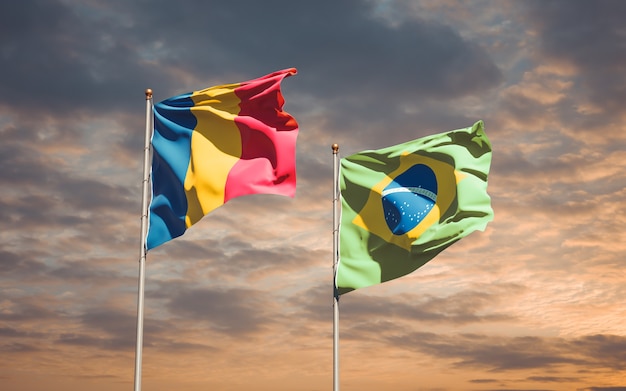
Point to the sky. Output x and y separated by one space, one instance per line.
243 300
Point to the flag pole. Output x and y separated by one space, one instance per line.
142 244
335 148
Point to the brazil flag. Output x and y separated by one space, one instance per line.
403 205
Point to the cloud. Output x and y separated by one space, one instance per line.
91 55
60 57
498 354
231 311
534 302
463 308
588 37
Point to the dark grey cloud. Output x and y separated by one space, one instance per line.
28 309
77 58
341 46
22 265
110 329
519 389
235 311
113 329
588 35
109 320
236 255
621 388
610 350
25 165
181 250
553 379
249 260
46 194
499 354
462 308
315 174
85 340
80 271
17 347
484 381
314 303
60 60
520 108
365 314
29 169
9 332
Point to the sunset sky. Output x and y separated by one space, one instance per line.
243 301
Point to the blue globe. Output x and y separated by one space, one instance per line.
409 198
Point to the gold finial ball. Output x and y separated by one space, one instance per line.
335 147
148 93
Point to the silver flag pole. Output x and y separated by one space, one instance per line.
335 148
144 232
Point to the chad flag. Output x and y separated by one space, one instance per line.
403 205
212 145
